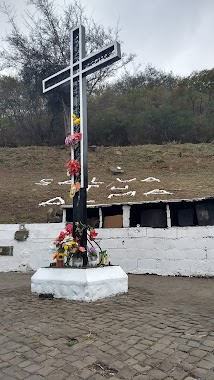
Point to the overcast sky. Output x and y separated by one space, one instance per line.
173 35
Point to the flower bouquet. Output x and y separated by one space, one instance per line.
69 247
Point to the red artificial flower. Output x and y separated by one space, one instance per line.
73 167
69 228
62 236
93 235
78 135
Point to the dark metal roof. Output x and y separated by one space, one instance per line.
96 205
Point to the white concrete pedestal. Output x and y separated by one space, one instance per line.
80 284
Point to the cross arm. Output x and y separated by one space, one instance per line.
93 62
56 80
98 60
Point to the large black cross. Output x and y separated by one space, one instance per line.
75 74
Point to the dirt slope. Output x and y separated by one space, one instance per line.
185 170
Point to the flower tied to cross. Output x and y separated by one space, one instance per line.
72 140
76 120
73 167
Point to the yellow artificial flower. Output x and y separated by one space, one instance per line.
74 244
66 247
60 256
77 121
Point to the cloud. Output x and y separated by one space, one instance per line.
169 34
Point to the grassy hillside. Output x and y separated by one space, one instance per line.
185 170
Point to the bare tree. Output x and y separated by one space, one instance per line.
45 47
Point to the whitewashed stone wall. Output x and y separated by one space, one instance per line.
32 253
186 251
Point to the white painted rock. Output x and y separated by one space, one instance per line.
88 284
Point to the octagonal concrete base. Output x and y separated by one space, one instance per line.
87 284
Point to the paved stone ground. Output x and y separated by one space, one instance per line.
163 329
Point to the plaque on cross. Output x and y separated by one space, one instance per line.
75 75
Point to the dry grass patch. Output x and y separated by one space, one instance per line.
185 170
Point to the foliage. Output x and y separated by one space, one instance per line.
151 108
157 111
24 118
